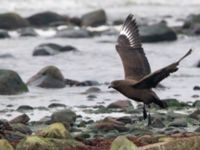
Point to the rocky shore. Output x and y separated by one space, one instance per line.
174 128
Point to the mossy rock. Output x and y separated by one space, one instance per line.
11 83
174 103
66 143
122 143
58 131
5 145
35 143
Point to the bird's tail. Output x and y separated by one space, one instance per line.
188 53
160 103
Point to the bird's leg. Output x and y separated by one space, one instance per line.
144 112
149 117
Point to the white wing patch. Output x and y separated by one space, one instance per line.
130 30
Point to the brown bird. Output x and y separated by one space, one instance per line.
139 80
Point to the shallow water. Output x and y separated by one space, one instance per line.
96 60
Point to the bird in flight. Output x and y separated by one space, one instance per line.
139 81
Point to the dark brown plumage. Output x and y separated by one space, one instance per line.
139 80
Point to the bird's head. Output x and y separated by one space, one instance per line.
114 84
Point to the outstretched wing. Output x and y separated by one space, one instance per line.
154 78
130 49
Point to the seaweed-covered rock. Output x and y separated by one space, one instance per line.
157 32
56 130
11 83
122 143
46 19
175 103
35 143
65 116
94 18
48 77
5 145
24 129
12 21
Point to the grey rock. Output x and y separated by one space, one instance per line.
122 104
46 19
27 32
65 116
12 21
157 33
196 87
21 128
196 104
11 83
94 18
4 34
73 33
54 105
93 90
24 108
157 123
195 115
178 123
47 49
20 119
48 77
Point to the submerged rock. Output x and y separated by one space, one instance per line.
35 143
4 34
54 105
157 33
11 83
65 116
5 145
94 18
73 33
48 77
46 19
27 32
12 21
23 108
48 49
122 143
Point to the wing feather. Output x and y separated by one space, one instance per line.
130 49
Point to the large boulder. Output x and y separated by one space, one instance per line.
48 77
11 83
65 116
94 18
48 49
46 18
122 143
156 33
12 21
